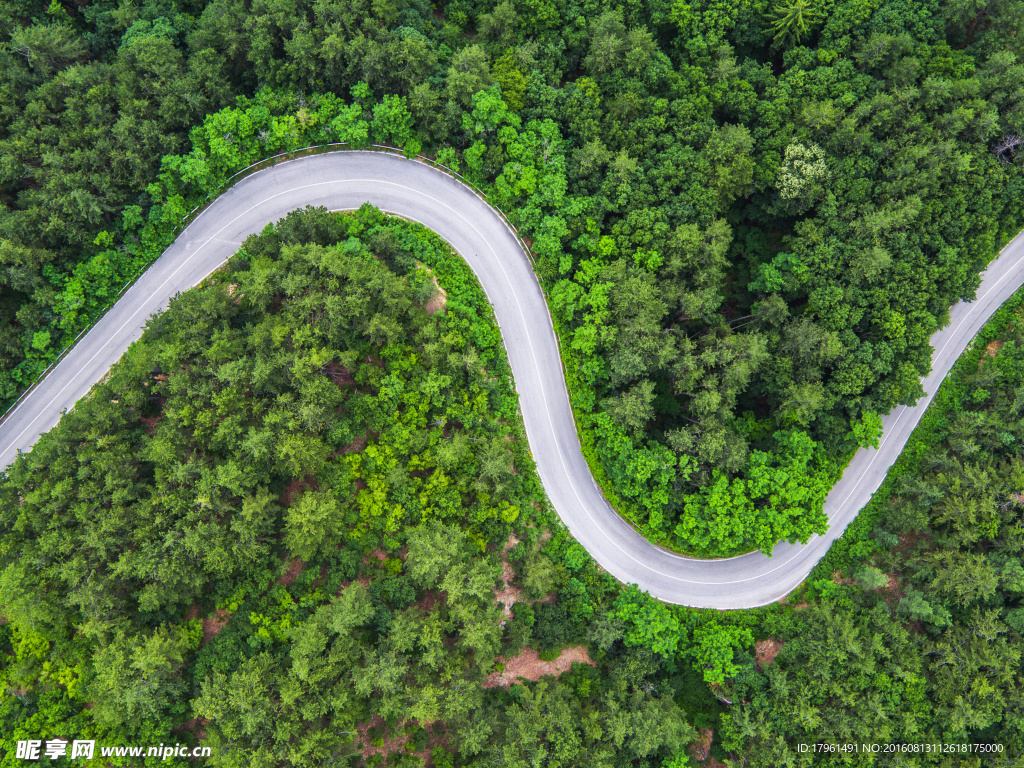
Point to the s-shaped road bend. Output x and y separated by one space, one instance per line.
344 181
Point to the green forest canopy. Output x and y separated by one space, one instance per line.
277 526
299 450
748 218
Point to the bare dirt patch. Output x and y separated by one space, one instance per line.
296 488
700 750
295 567
892 586
907 541
440 299
431 600
837 577
512 541
339 374
993 347
528 665
765 651
150 422
508 595
395 739
795 606
194 725
357 445
213 625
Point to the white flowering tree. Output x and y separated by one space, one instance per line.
803 176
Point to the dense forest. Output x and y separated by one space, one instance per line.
748 217
335 480
299 523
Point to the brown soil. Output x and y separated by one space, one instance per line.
357 445
892 586
528 665
150 422
907 542
837 577
295 567
395 739
296 488
700 750
339 374
992 349
430 600
213 625
195 725
508 595
766 651
392 742
440 299
794 606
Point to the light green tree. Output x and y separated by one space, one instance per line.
792 21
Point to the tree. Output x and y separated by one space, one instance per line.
501 24
867 431
728 153
314 524
137 676
433 549
392 122
792 21
468 74
633 409
803 175
607 43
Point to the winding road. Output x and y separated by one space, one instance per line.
414 190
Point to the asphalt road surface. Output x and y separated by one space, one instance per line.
344 181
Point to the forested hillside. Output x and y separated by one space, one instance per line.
748 217
918 635
278 525
291 524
